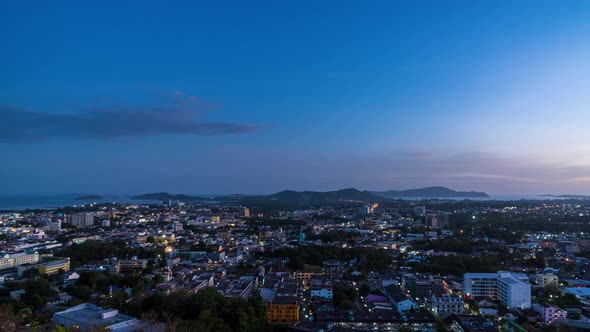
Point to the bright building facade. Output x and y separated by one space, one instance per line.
511 289
283 310
549 312
9 261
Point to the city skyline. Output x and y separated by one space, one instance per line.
258 98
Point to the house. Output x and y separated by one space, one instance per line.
397 296
17 293
61 298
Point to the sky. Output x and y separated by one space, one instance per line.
260 96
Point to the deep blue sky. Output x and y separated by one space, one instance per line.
256 97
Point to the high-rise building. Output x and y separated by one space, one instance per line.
420 210
364 210
301 235
82 220
436 220
511 289
177 227
244 212
53 226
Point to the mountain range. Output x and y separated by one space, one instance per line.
305 198
430 192
567 196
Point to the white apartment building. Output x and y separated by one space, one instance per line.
9 261
446 303
549 313
480 285
82 220
545 279
511 289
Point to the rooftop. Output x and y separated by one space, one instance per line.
90 314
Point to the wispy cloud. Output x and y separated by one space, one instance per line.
479 171
176 114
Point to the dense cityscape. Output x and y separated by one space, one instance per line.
393 265
295 166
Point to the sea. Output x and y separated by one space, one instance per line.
23 202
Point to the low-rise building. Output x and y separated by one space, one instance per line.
9 261
401 300
545 279
469 323
132 264
283 310
333 268
446 304
88 317
309 271
322 291
50 266
549 313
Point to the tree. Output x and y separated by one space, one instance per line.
567 300
10 322
551 290
440 326
95 280
364 290
344 297
31 273
62 238
82 292
36 292
207 310
35 301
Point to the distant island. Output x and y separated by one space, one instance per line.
88 197
438 192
